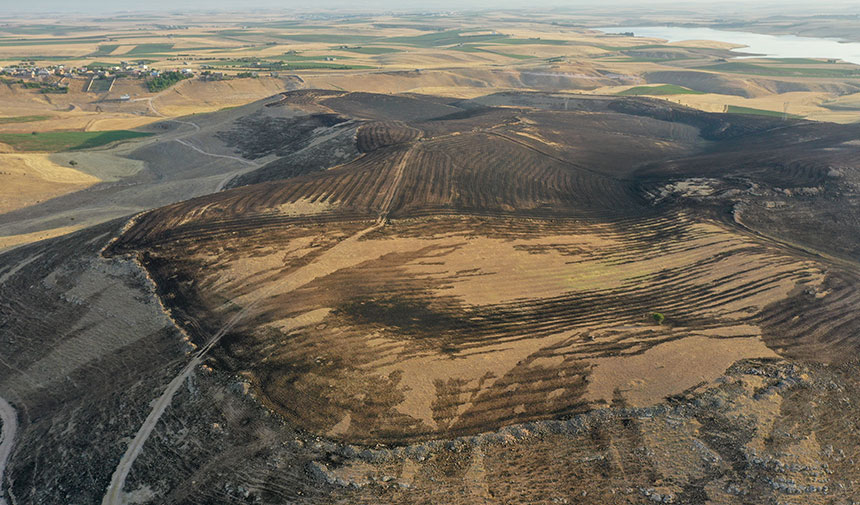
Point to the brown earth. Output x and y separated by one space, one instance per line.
480 266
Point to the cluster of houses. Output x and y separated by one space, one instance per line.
124 69
34 72
48 74
59 76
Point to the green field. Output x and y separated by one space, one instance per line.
110 64
474 49
287 25
753 69
38 58
334 66
299 57
284 62
50 29
413 26
734 109
446 38
633 58
538 42
101 85
65 141
331 38
102 64
237 33
371 50
104 50
47 42
663 89
150 48
22 119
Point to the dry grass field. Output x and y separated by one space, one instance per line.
454 56
29 178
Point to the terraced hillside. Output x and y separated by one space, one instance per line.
475 264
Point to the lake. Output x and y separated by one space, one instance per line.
773 46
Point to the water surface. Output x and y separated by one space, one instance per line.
773 46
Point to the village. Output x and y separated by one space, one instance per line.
57 78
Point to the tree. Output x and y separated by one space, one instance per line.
658 317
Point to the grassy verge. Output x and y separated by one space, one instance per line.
66 141
663 89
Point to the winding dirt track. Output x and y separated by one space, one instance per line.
7 437
201 151
332 260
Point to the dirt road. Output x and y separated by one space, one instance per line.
334 259
327 263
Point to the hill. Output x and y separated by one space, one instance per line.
375 298
477 242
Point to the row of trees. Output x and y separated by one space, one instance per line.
164 81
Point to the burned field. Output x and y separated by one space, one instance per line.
463 267
519 298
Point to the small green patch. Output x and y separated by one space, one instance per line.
753 69
150 48
102 65
535 41
22 119
331 38
734 109
101 85
331 66
658 317
46 29
293 56
43 87
663 89
105 50
98 65
446 38
370 49
49 42
66 141
474 49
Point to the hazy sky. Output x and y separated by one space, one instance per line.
108 6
